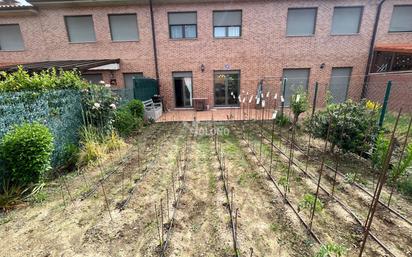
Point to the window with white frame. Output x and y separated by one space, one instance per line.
227 24
182 25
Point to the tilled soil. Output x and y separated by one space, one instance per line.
397 235
136 179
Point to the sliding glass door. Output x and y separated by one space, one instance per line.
227 84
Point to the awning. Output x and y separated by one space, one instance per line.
81 65
399 48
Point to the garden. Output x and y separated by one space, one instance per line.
84 174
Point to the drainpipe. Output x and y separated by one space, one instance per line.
154 45
370 56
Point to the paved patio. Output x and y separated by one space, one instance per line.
218 114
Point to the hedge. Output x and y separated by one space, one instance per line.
59 110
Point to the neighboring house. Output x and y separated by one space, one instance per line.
209 48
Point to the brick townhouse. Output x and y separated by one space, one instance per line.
216 49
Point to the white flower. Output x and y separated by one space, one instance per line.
96 106
107 85
113 106
102 82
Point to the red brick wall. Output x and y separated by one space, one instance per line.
401 93
262 51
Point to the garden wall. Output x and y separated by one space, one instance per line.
59 110
401 92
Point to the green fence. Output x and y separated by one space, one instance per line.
59 110
144 88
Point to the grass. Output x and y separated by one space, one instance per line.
389 124
247 177
274 227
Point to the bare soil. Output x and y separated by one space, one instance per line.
136 178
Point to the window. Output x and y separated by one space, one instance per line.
10 38
183 25
296 79
183 88
80 29
301 21
339 84
123 27
401 19
391 61
94 78
346 20
227 24
227 88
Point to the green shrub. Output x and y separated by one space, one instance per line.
379 152
91 146
299 104
331 250
136 107
113 142
21 80
125 122
26 152
70 155
282 120
401 169
405 186
99 107
353 126
308 201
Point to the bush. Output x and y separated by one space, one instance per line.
21 80
99 107
379 152
353 126
70 155
405 186
299 104
331 250
113 142
125 122
91 147
308 201
26 152
282 120
136 107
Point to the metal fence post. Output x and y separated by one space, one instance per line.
315 97
385 103
282 103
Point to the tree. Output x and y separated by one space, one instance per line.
299 104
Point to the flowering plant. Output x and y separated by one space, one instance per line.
99 105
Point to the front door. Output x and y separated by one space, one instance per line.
226 88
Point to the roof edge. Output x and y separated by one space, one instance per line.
63 3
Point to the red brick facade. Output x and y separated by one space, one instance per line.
263 50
